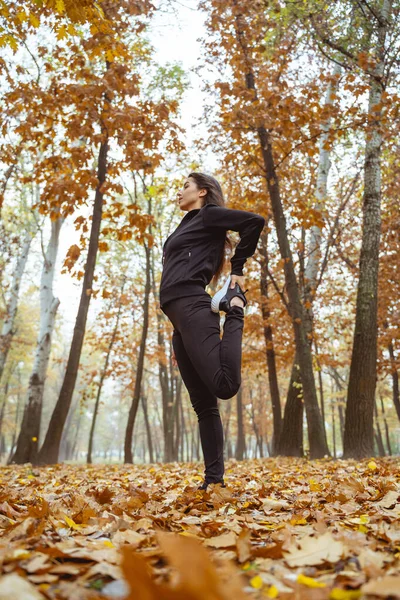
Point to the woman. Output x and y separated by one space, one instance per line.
192 255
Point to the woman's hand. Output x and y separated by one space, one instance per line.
174 363
237 278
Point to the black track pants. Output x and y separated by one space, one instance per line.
210 366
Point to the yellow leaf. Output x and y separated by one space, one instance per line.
22 16
34 20
34 439
61 32
272 592
256 582
108 544
60 6
109 55
310 582
372 465
298 521
72 523
339 594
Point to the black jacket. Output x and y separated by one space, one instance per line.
192 252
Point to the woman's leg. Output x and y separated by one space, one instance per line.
205 405
217 361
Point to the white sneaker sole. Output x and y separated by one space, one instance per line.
219 295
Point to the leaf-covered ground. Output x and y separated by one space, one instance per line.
282 528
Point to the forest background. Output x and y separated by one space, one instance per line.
293 106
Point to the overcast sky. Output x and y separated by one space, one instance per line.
175 40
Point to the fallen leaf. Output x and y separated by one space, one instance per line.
314 551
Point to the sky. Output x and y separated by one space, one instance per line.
175 39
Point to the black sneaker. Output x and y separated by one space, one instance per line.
222 299
206 484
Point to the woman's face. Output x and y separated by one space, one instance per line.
190 196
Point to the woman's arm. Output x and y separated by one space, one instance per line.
248 224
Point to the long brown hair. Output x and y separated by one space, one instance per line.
214 196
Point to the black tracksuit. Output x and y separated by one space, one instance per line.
210 366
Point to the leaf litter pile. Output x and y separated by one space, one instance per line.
282 528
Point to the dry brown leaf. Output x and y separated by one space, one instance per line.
16 587
314 551
383 587
225 540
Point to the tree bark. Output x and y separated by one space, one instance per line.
378 432
240 440
389 447
48 453
291 439
148 428
395 380
359 429
269 342
317 442
8 332
103 375
128 456
166 376
28 440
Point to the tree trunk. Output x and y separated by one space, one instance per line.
321 389
165 374
291 439
8 332
104 374
49 451
269 343
378 434
359 429
318 447
148 428
128 456
240 440
177 417
28 440
389 447
395 380
294 404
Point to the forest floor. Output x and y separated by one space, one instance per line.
282 528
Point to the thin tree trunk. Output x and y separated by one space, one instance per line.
395 380
240 440
28 440
294 405
17 412
389 447
378 433
49 451
8 331
321 388
177 420
291 439
148 428
128 455
104 374
269 342
333 425
317 442
359 430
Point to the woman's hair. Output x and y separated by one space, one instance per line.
214 196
